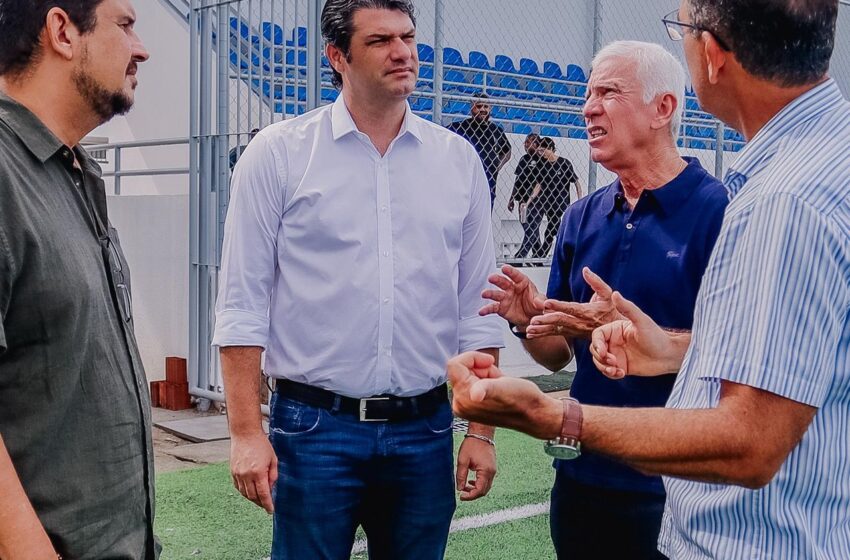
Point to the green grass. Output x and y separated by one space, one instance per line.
200 515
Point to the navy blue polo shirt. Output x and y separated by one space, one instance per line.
655 255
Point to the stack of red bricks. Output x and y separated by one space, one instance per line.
173 392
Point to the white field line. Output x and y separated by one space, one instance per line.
483 520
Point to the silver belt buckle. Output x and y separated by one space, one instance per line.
363 409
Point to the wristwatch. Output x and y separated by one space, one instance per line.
568 444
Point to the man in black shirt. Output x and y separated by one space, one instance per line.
488 138
554 175
526 180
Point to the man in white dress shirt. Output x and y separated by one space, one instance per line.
357 244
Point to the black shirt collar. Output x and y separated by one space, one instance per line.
669 197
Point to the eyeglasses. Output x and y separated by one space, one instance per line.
112 260
676 29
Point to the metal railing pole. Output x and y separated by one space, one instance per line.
438 61
718 150
597 44
314 54
194 182
117 167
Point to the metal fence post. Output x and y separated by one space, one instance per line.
597 44
718 150
438 61
314 54
117 167
194 259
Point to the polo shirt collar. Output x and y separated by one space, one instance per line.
342 123
669 197
764 145
33 133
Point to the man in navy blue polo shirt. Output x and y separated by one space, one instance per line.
649 235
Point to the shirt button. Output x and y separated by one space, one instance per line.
386 300
386 253
629 226
383 208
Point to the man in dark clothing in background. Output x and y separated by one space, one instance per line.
554 175
488 138
526 179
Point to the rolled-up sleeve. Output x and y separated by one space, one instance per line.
249 251
477 262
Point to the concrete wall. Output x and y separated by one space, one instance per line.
155 238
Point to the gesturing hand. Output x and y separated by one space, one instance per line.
636 345
576 320
517 299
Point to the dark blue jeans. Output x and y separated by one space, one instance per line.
592 523
335 473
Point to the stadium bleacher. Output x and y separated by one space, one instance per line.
526 98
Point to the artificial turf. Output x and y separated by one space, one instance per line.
200 515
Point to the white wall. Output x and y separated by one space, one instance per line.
154 234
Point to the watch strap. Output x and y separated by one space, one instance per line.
572 421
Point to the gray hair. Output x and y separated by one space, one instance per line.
658 71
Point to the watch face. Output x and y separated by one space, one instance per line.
561 451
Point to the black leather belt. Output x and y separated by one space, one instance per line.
383 408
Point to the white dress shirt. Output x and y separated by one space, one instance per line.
357 273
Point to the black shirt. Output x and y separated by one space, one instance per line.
526 177
488 139
74 403
555 178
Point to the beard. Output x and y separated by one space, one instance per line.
105 103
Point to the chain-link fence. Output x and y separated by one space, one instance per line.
510 76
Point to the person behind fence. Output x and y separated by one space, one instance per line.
521 196
649 234
357 244
489 139
554 175
236 152
76 459
755 437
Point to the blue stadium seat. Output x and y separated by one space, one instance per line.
517 113
732 134
457 107
422 104
571 119
552 70
698 144
540 116
575 74
239 28
528 67
509 86
452 57
519 128
562 89
691 104
272 32
504 64
426 52
456 80
539 90
426 72
299 37
577 133
500 113
550 131
291 57
478 60
553 117
329 94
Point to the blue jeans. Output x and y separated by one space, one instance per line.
335 473
590 523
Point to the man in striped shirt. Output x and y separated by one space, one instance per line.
754 440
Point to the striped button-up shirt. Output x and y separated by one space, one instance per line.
774 313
